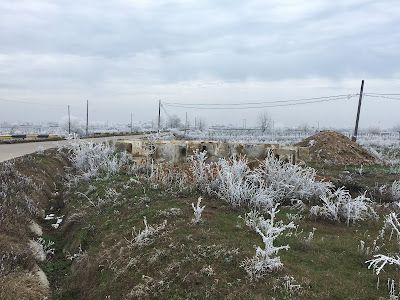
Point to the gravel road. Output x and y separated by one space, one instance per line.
9 151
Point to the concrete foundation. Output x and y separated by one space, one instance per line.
180 151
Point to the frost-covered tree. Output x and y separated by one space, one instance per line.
374 129
78 126
174 122
396 128
264 121
201 124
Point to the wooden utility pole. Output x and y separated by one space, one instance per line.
69 121
159 116
354 138
131 122
87 117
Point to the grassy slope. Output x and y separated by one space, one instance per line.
196 261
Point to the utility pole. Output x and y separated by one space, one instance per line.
87 117
186 123
69 121
131 122
159 117
354 138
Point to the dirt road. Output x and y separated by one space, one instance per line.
9 151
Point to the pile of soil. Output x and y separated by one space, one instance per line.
331 147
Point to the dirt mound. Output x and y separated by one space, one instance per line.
331 147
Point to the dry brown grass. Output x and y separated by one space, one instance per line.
22 285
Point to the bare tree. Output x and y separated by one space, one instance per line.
396 128
374 129
201 124
304 127
174 121
264 121
78 125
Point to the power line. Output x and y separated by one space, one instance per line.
162 106
26 102
381 96
258 103
227 107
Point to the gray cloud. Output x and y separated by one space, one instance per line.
106 47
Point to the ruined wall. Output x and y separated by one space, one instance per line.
177 151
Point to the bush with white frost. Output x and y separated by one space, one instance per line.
197 211
90 159
266 259
395 190
339 206
145 236
15 201
274 181
291 181
391 224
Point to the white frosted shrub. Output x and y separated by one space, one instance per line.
266 259
200 170
379 261
197 210
291 181
234 182
90 158
15 201
159 177
340 206
145 236
395 190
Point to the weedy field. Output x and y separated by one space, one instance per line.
105 227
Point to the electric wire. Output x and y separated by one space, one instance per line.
380 96
168 115
270 105
35 103
258 103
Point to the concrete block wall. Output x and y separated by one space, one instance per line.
177 151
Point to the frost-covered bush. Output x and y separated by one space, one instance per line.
236 184
266 259
392 225
200 170
340 206
15 202
160 177
90 159
145 236
291 181
197 210
395 190
274 181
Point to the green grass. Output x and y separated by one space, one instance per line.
202 261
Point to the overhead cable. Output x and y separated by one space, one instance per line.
36 103
264 102
268 104
380 96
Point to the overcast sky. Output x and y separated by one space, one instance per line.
125 55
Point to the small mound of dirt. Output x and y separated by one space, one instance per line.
331 147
